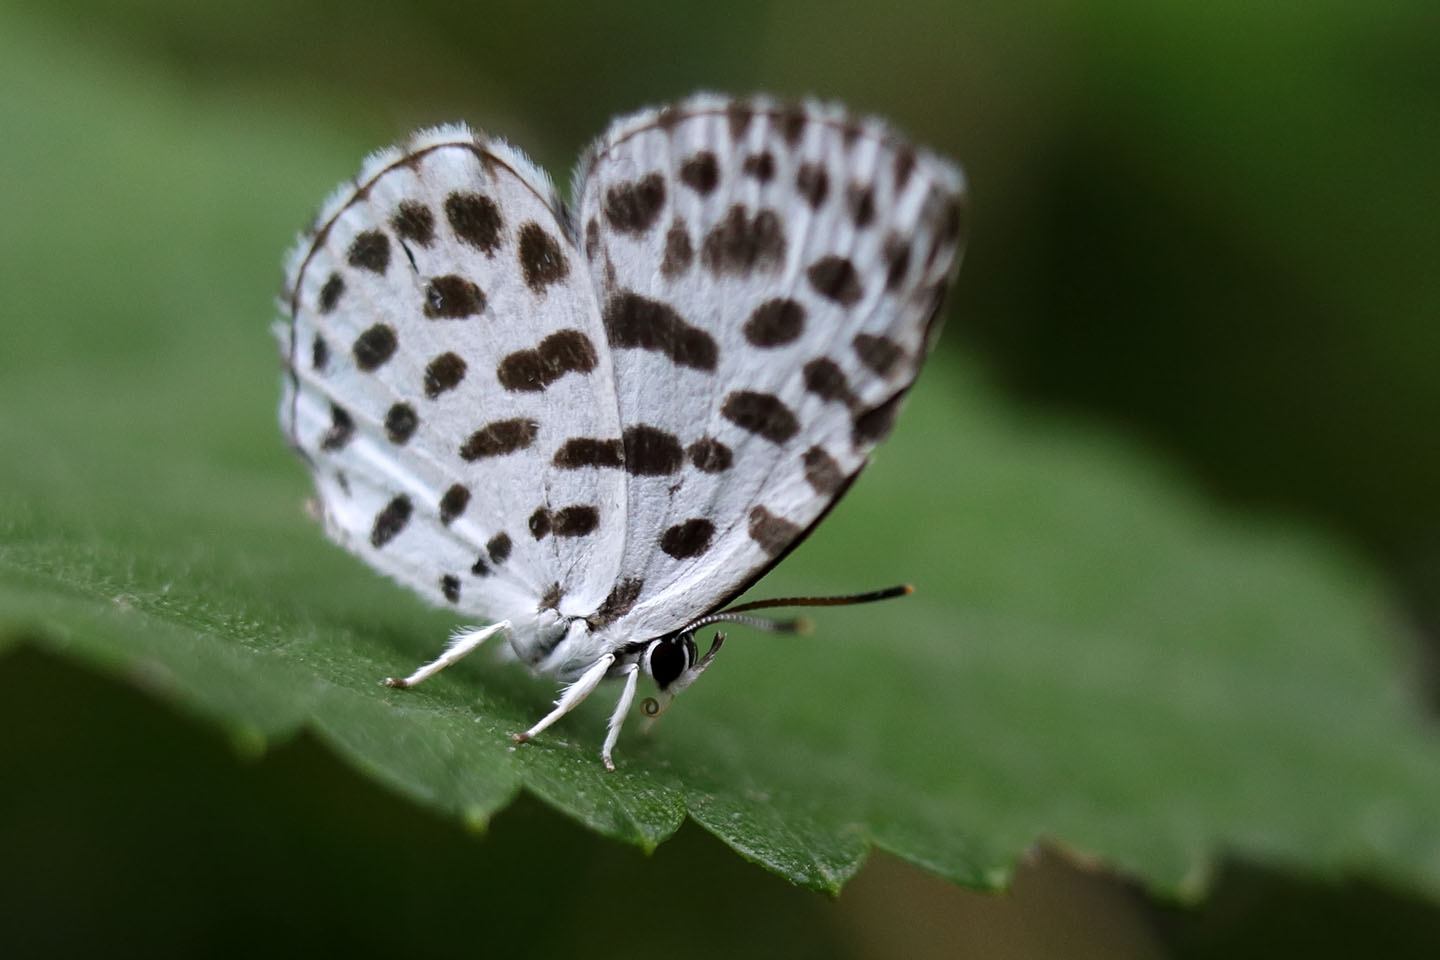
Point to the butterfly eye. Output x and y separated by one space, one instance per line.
667 659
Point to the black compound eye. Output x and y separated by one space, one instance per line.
668 659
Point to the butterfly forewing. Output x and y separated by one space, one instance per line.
444 341
766 276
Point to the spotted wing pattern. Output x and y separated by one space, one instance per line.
630 419
768 276
443 340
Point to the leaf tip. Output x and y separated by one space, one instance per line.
1196 882
249 742
997 879
476 820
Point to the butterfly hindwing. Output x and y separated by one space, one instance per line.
444 340
767 276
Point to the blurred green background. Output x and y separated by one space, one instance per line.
1212 229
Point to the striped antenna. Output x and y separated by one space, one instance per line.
799 624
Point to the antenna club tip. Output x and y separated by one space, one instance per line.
804 626
906 589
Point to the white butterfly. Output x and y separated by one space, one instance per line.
599 427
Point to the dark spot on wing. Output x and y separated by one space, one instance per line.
638 322
951 222
897 261
592 239
861 199
565 351
522 370
823 472
763 414
739 115
453 297
904 165
835 278
453 503
475 219
443 373
632 207
825 379
775 323
369 250
500 437
701 172
390 521
498 547
880 354
709 455
580 452
761 166
541 259
792 121
401 422
875 425
330 293
813 183
575 521
771 532
651 452
319 354
619 602
373 347
679 253
688 539
741 243
342 428
413 221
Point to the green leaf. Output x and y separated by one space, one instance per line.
1094 657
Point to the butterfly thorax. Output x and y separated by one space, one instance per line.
562 646
565 647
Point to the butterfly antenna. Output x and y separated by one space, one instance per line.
799 624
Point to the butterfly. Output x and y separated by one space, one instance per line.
596 426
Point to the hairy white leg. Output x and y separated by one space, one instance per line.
461 643
632 677
572 696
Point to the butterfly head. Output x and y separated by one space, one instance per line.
673 662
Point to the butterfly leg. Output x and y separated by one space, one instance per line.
572 696
461 643
622 707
